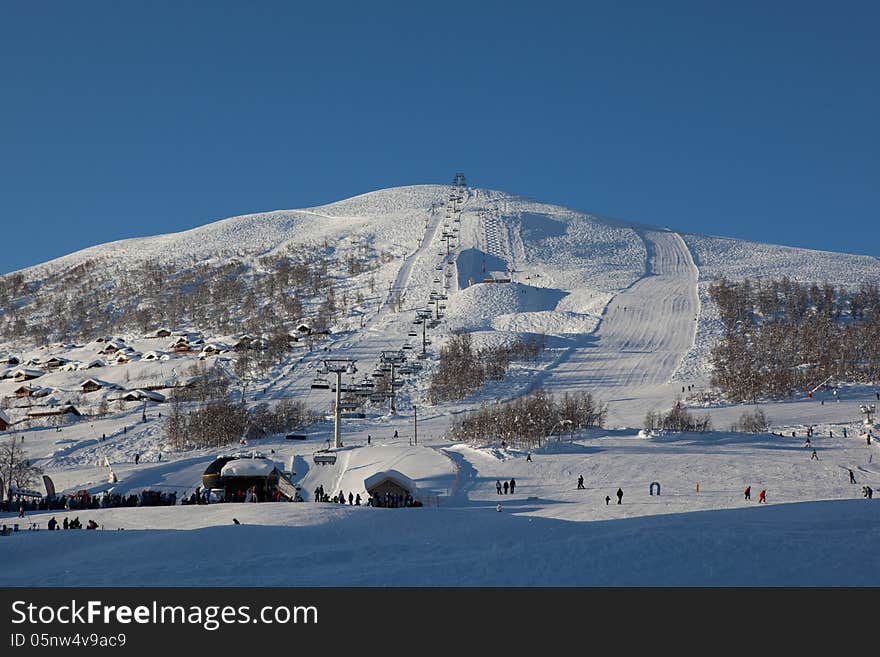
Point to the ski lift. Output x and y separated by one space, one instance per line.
412 334
320 384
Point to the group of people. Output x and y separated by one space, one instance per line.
507 486
53 525
762 496
393 501
339 498
619 494
386 500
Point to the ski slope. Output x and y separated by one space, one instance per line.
643 335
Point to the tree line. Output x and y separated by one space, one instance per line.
461 368
528 421
780 337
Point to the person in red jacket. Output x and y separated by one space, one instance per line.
762 497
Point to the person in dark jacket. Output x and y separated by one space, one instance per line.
607 500
748 493
581 482
619 496
506 487
498 486
852 477
512 485
53 524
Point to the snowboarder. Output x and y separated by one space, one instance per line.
498 486
619 496
607 500
506 486
512 485
581 482
748 493
813 456
852 477
762 497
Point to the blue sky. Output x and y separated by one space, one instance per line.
756 120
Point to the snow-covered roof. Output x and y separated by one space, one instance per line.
391 475
26 372
97 382
97 362
150 394
248 467
4 417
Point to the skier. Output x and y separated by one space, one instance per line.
619 496
748 493
529 456
498 486
852 477
807 443
581 482
814 456
395 433
512 485
506 486
762 497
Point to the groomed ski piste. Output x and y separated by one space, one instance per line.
625 313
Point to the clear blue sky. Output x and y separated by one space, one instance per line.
756 120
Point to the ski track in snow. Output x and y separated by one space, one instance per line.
644 333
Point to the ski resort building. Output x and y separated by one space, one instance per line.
236 474
392 482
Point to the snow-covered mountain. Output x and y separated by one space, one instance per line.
622 309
